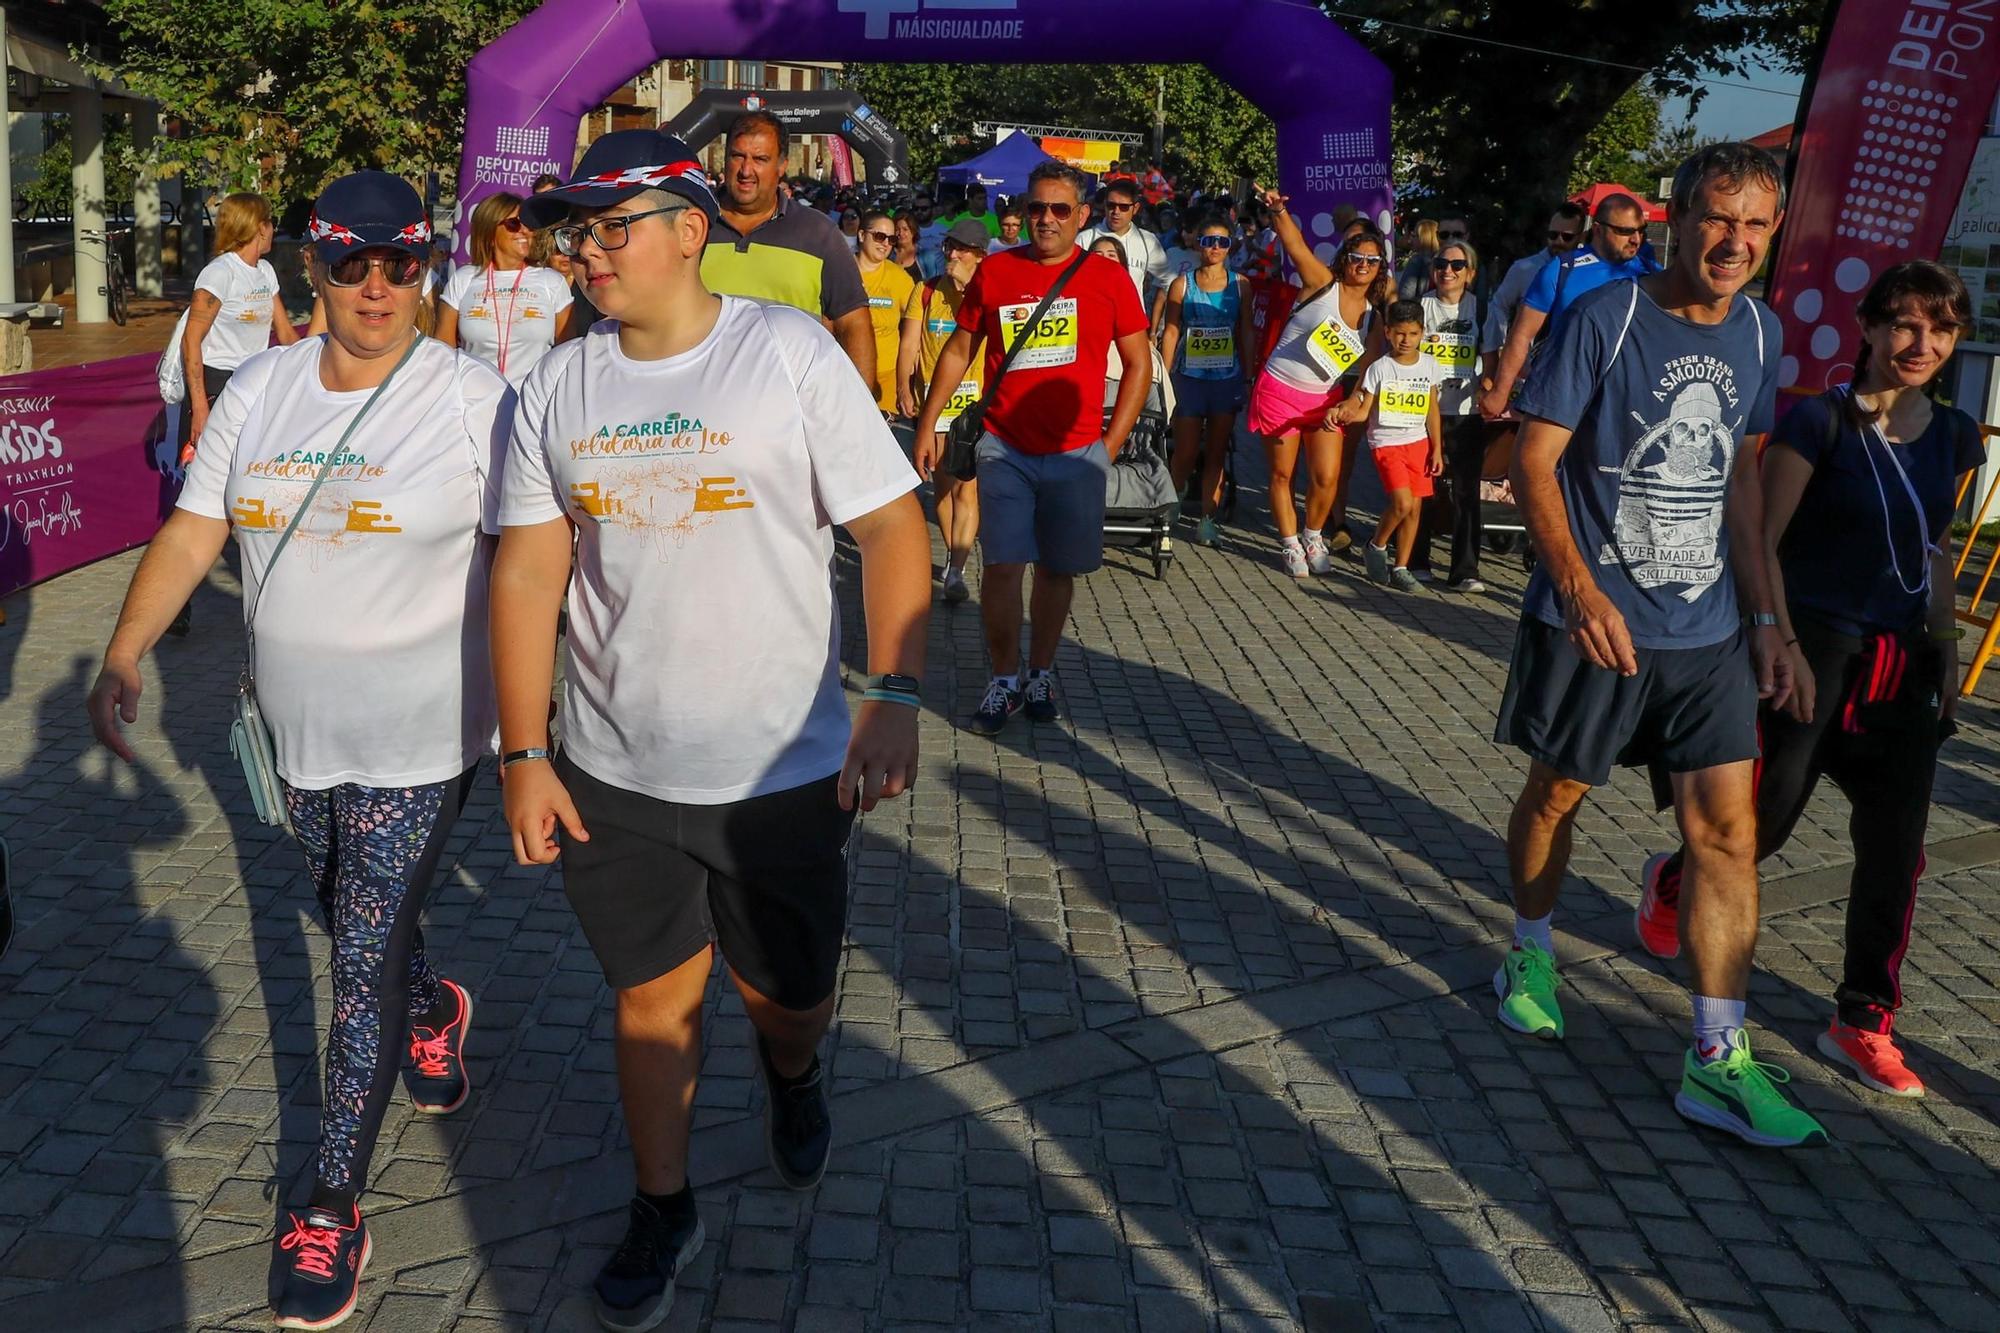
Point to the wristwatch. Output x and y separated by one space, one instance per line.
894 683
1763 618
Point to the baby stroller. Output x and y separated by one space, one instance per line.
1500 517
1139 499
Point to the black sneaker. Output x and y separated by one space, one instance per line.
1041 696
798 1124
999 704
317 1266
436 1076
635 1288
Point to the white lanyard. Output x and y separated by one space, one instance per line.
1888 533
505 326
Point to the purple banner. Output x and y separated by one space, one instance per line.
84 459
1327 95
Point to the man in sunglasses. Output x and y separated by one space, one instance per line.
1617 253
1565 232
1145 256
698 450
770 249
1047 451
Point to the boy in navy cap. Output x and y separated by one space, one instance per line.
699 449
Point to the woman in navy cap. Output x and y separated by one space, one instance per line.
359 474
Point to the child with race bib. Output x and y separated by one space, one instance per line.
1399 400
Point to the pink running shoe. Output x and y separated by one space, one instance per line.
1872 1056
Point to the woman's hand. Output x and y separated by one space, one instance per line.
115 696
536 802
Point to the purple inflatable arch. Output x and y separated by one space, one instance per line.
1328 96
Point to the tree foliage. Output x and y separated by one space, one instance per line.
1212 133
282 95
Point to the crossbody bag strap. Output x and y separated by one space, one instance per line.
1008 359
305 505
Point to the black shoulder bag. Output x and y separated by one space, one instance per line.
961 442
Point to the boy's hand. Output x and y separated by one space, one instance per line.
1435 466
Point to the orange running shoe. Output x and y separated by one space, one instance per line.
1658 919
1872 1056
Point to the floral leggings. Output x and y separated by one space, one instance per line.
371 852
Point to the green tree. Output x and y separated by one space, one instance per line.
1620 146
49 194
282 95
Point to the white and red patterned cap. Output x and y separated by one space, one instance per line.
368 210
620 165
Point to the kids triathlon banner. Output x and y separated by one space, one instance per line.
84 465
1897 109
1327 95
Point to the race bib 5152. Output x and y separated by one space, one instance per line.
1051 342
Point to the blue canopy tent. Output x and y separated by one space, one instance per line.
1003 169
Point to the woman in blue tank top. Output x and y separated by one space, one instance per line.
1207 326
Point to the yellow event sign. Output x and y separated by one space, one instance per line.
1095 156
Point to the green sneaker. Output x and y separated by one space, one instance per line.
1739 1094
1526 984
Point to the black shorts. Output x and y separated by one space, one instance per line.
765 878
1687 709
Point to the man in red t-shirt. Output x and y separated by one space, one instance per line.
1047 449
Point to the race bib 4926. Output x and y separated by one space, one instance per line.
1335 348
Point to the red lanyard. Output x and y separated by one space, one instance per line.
506 325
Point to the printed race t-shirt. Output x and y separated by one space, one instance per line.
888 289
704 644
1403 396
1051 400
934 305
242 327
1659 406
1854 555
1451 338
371 657
507 320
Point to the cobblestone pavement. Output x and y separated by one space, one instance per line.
1174 1015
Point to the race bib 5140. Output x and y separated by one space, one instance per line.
1051 342
1211 349
1334 347
1406 398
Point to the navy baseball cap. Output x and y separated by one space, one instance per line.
618 166
368 209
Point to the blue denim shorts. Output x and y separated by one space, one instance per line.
1045 510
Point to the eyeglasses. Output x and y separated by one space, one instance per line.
1060 212
1455 265
1564 236
1114 206
398 269
1215 242
1626 233
514 224
886 237
610 233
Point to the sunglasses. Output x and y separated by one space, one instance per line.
886 237
1455 265
1562 236
1113 206
514 224
1453 235
1626 232
610 233
398 270
1215 242
1060 212
1364 261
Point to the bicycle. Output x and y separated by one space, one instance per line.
116 290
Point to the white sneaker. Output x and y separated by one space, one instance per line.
1293 560
1317 559
1469 585
955 590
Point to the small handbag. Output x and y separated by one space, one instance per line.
249 735
961 442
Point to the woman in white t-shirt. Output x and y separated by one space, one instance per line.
359 475
236 307
501 308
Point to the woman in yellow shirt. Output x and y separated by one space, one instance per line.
929 320
888 289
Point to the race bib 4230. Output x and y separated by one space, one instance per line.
1051 342
1453 351
1335 348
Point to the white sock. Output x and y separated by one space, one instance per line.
1011 682
1290 543
1716 1025
1033 672
1536 930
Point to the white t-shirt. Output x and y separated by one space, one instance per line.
704 642
242 327
507 320
1181 261
1403 397
1451 338
1145 258
371 639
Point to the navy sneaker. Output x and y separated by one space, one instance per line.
436 1076
318 1266
1040 694
999 704
798 1123
635 1288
